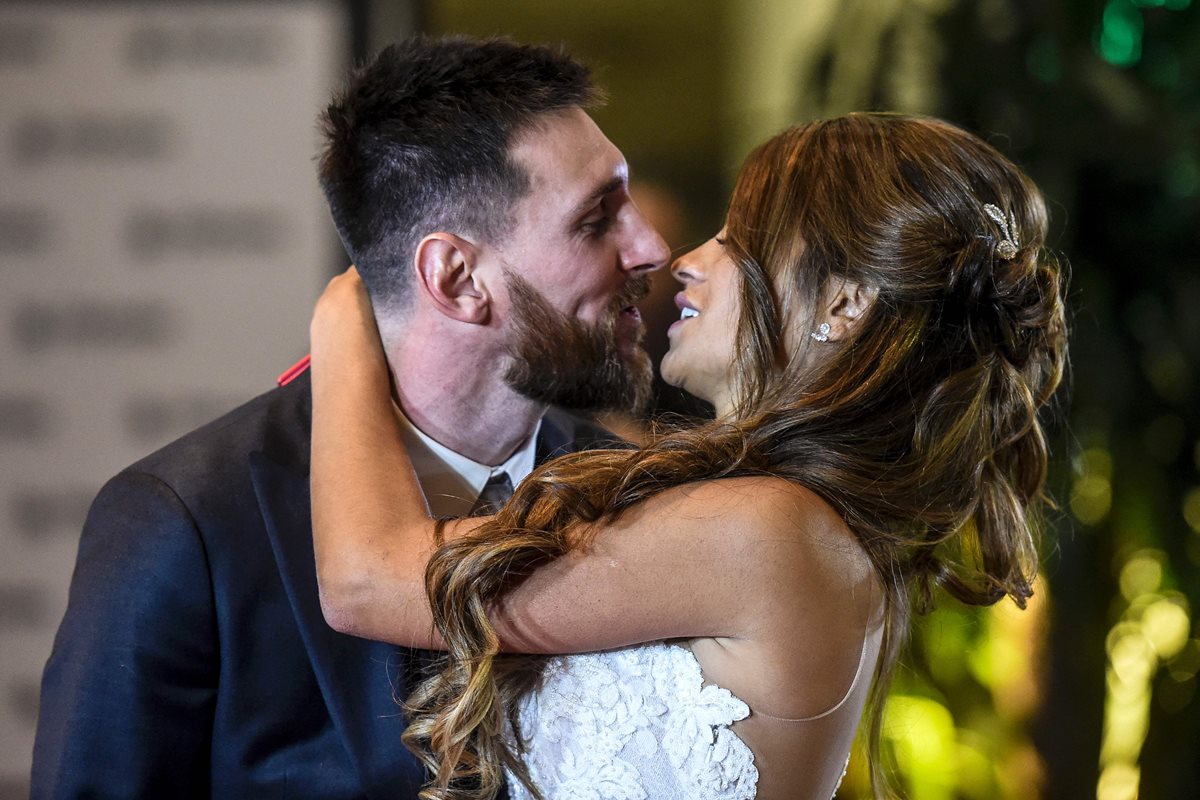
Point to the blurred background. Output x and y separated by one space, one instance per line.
162 239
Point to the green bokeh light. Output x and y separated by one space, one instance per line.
1121 34
923 735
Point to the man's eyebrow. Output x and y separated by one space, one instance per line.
611 185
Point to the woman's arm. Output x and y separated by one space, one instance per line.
719 558
372 533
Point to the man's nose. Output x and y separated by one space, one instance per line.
645 251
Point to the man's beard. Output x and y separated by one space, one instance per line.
568 363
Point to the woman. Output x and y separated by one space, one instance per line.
877 326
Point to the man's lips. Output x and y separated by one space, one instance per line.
633 292
629 316
629 320
629 330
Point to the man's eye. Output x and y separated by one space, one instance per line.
597 226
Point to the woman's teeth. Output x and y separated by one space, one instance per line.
688 313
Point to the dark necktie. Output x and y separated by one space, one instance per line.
495 494
423 664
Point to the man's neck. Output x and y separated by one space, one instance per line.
460 399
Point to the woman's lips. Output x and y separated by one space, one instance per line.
686 311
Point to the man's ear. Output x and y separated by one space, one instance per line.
445 267
846 306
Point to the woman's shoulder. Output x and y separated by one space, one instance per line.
767 504
774 529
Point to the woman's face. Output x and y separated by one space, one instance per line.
704 339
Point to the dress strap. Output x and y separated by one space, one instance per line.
862 659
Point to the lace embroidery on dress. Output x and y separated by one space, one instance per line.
633 724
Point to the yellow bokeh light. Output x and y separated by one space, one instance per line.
1125 728
1023 773
1142 574
1091 499
1133 659
1118 632
1124 692
1096 461
1191 509
1166 626
1009 658
924 739
1153 629
1118 782
1091 494
976 773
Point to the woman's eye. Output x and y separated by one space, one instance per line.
719 240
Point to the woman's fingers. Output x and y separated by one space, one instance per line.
343 314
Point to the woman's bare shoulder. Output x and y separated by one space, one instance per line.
763 525
771 505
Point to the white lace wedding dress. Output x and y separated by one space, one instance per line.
633 724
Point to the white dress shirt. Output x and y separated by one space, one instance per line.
451 481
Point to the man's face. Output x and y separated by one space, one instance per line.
575 263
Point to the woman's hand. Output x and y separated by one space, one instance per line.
343 330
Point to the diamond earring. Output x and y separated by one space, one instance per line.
821 334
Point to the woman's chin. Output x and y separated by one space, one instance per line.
673 374
669 371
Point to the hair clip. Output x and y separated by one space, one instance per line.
1007 248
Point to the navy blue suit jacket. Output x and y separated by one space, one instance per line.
193 660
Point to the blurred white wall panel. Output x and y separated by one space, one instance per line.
162 239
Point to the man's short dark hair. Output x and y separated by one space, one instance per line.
419 140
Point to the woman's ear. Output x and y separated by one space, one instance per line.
845 306
445 268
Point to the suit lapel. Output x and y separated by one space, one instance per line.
554 439
564 433
359 679
354 674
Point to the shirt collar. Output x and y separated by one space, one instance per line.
451 481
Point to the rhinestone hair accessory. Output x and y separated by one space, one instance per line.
821 334
1007 248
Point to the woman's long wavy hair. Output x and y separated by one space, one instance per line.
922 429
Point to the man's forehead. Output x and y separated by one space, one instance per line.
568 153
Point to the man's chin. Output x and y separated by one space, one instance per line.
631 352
641 380
568 363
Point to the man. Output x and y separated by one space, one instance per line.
490 220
